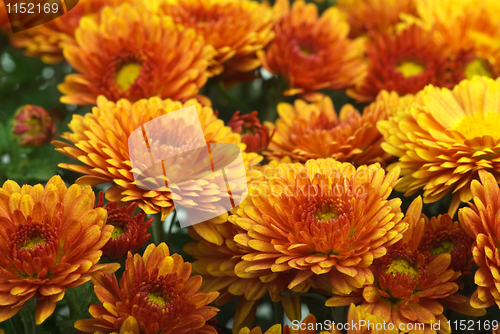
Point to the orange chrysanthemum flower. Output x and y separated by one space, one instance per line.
410 289
235 28
312 131
368 17
45 40
100 141
145 55
50 240
482 223
157 290
216 264
313 52
469 27
129 230
404 63
326 217
444 138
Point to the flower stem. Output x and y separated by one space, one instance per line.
28 316
158 233
278 313
171 226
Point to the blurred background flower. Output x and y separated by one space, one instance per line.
33 126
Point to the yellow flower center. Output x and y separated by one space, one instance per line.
154 298
401 266
326 216
480 125
410 68
35 126
476 67
246 131
305 50
127 75
32 243
117 232
446 246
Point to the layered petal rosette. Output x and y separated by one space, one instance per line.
157 291
100 140
145 55
326 217
444 138
50 240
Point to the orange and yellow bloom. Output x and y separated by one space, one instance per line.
469 28
404 63
443 235
410 288
326 217
235 28
100 140
313 52
371 17
45 41
481 220
50 240
157 291
313 131
145 55
444 138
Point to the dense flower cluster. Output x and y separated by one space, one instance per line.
341 157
